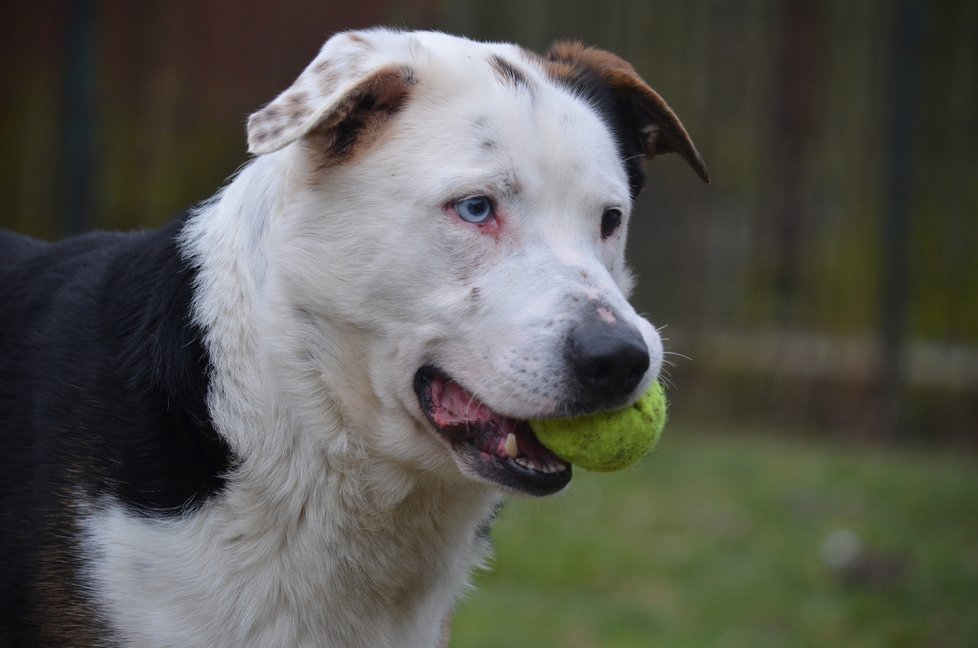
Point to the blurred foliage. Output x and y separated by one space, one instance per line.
790 104
740 540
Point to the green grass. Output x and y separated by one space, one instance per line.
716 540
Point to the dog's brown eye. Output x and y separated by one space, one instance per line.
610 221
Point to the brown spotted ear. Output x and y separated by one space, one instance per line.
639 114
341 99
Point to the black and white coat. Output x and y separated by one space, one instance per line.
258 426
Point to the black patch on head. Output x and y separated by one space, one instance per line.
508 72
620 116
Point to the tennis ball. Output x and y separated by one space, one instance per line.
607 441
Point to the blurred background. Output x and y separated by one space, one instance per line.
817 485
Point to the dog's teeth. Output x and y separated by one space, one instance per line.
543 465
550 466
511 447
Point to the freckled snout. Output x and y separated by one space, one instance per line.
609 358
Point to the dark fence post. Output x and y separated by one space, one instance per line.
903 97
79 170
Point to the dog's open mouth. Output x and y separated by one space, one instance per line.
498 448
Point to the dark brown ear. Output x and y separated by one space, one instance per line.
638 110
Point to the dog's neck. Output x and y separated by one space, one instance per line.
262 380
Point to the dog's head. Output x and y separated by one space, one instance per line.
450 252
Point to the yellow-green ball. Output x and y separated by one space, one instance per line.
607 441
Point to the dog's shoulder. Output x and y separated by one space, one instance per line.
103 385
58 272
101 365
16 248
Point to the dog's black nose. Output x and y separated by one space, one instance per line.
609 360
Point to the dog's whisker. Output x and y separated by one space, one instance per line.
678 355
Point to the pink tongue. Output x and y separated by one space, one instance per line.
453 405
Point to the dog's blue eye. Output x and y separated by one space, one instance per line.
474 210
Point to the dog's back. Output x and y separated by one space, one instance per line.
101 395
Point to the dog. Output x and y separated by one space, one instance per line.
288 417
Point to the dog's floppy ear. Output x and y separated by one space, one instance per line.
342 97
639 110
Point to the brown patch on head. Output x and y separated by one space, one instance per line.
641 120
508 73
349 78
337 121
360 117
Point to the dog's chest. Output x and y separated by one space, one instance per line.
314 576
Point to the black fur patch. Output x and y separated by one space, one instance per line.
508 72
103 387
620 117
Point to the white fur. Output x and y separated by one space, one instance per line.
348 522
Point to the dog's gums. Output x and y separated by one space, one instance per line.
498 448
